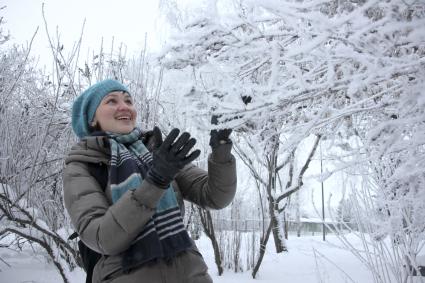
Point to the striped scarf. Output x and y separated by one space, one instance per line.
164 235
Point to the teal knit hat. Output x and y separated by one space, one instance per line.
85 105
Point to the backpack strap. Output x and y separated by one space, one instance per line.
73 236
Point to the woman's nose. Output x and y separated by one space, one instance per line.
123 105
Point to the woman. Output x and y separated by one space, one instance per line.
136 221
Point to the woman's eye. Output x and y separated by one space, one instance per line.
111 101
129 102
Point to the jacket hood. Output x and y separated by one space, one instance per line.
96 149
91 149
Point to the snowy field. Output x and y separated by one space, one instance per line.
309 260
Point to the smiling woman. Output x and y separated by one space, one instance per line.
131 213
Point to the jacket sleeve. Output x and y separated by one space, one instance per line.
107 229
214 189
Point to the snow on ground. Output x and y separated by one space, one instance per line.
309 260
25 267
301 264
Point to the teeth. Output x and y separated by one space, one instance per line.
123 118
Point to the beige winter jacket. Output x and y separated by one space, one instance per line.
110 228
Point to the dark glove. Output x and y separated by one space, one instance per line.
152 139
220 137
170 157
220 142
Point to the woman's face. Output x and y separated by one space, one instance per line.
116 113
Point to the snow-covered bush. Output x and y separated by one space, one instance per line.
336 69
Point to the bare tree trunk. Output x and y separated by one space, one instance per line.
270 186
263 243
207 223
271 190
276 229
285 220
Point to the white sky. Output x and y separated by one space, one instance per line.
125 20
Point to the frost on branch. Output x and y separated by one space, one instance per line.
337 69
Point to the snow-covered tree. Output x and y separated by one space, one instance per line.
33 122
35 126
278 72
